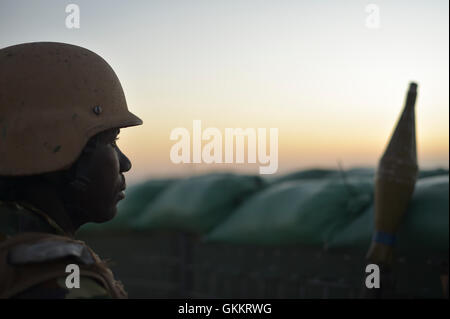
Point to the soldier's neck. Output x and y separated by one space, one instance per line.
50 202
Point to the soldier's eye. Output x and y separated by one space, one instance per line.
114 143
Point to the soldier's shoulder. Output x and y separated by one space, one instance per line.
17 217
39 263
44 248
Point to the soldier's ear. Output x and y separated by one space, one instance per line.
53 178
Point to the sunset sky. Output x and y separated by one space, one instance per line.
333 87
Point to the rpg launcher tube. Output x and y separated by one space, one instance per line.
394 184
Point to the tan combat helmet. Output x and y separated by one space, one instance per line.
53 98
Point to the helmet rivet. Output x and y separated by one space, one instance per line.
97 109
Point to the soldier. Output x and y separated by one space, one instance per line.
61 109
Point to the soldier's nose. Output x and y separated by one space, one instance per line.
125 164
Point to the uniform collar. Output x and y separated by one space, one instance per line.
47 218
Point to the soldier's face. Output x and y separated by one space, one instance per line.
104 170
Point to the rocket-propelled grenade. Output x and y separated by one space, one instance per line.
394 183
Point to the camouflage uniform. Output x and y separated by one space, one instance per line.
34 253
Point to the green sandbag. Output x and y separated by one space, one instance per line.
353 172
303 175
138 196
432 172
426 221
307 212
357 234
198 203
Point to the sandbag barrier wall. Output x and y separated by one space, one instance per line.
178 265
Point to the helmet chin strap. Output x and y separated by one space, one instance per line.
77 174
78 183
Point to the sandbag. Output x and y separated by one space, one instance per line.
308 174
432 172
306 211
426 222
198 203
319 173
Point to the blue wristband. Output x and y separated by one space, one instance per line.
384 238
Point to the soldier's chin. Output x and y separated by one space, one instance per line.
106 215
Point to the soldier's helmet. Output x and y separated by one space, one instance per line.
53 98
